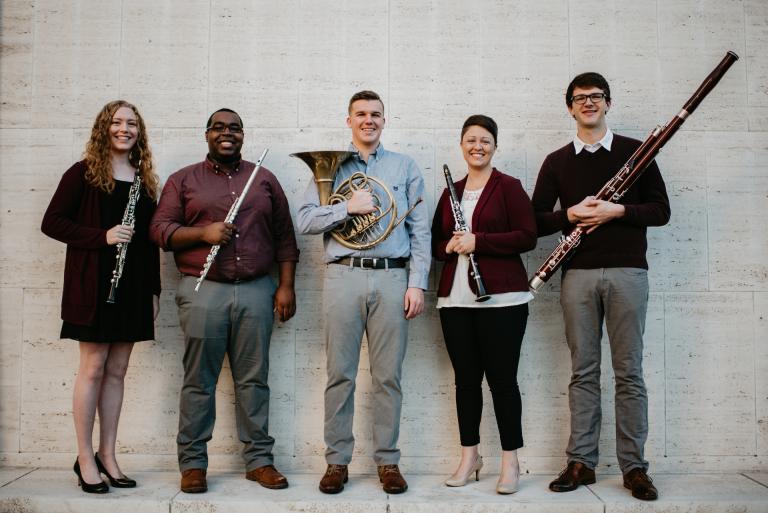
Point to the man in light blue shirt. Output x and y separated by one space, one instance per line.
375 290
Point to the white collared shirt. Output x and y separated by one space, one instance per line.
605 142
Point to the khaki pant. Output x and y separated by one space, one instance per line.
355 301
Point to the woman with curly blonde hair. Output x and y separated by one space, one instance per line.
86 212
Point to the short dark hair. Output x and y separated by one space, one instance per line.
210 118
482 121
585 81
364 95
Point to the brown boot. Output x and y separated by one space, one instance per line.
334 479
392 479
193 481
268 477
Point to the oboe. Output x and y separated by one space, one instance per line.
461 226
129 219
617 186
229 219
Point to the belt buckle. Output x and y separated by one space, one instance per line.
373 262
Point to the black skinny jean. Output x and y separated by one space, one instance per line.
486 341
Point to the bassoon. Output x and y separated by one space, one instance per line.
229 219
461 226
617 186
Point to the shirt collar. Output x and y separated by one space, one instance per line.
214 166
605 142
376 154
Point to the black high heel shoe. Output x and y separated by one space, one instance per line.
120 482
100 487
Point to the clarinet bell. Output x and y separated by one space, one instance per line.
111 297
482 295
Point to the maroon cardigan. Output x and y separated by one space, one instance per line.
74 217
504 226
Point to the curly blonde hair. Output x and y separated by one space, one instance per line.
97 153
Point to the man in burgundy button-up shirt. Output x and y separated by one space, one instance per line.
233 311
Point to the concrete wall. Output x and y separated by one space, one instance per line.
289 67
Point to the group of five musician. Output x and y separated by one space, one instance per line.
372 291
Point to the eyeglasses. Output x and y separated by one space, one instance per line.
221 128
581 99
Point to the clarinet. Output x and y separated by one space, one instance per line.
129 219
617 186
461 226
229 219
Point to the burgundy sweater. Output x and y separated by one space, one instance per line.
74 217
569 177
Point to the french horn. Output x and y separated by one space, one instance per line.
362 231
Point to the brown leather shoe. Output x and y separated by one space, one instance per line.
575 474
641 485
392 479
193 481
334 479
268 477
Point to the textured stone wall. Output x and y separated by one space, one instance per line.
289 67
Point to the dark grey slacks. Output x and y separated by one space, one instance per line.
620 297
232 319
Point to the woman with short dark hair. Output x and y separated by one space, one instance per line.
484 338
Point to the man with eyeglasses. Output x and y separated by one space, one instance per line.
233 311
606 280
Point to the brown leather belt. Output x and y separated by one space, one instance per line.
373 263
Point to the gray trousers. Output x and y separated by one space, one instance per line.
357 300
235 319
620 297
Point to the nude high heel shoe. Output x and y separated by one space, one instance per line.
457 480
508 487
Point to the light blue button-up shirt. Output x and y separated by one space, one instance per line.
410 239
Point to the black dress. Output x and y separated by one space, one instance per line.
130 318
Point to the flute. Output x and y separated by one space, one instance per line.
617 186
461 226
229 219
